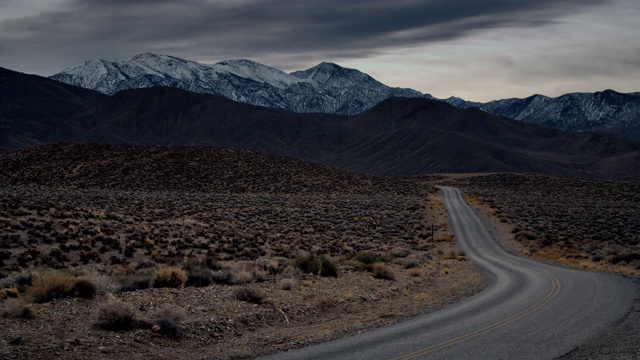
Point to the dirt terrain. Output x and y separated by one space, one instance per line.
587 224
97 265
111 252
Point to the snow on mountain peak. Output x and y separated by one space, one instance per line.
327 87
257 72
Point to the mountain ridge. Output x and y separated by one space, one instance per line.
330 88
239 80
396 137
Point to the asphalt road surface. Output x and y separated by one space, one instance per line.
529 310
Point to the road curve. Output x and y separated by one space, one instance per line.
529 310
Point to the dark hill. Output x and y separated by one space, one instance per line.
399 136
34 109
183 168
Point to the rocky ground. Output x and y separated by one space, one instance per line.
98 263
112 252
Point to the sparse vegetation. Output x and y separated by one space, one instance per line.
172 277
588 224
118 231
84 288
49 286
317 265
382 271
116 316
134 281
249 294
168 320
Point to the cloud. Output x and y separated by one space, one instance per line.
309 31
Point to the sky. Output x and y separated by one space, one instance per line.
477 50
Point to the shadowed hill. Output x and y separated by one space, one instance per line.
34 109
398 137
189 169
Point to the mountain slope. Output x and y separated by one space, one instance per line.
35 109
329 88
399 136
326 88
606 111
183 168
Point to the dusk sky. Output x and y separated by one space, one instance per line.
477 50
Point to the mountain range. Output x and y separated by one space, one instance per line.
330 88
397 137
325 88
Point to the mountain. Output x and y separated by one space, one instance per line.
326 88
330 88
397 137
606 111
34 109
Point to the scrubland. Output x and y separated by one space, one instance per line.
93 267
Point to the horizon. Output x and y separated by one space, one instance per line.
478 52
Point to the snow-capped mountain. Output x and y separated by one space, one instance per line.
330 88
326 88
605 111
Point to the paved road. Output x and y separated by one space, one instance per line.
530 310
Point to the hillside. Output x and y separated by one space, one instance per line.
183 169
34 109
398 137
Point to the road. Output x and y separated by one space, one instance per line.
529 310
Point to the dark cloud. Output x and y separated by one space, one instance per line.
288 29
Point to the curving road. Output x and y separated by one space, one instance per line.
530 310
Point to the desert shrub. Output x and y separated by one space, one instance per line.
134 281
287 284
169 277
53 285
329 268
199 277
241 276
312 264
18 312
167 321
366 257
11 292
222 277
249 294
213 264
84 288
24 280
412 263
308 264
26 312
104 284
382 271
192 264
115 316
274 266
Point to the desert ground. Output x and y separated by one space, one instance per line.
97 265
108 259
